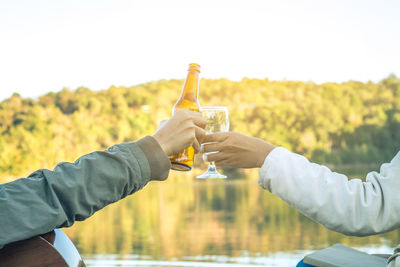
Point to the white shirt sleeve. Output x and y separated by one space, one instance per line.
351 207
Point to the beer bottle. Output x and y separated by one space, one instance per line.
183 161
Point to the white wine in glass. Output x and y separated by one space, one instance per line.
217 121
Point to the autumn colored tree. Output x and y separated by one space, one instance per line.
333 123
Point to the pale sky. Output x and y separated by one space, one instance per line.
48 45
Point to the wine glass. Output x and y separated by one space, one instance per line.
217 121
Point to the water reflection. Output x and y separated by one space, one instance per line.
207 221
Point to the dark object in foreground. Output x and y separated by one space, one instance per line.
51 249
340 256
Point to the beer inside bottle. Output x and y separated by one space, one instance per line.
183 161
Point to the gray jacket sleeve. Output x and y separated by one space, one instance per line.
74 191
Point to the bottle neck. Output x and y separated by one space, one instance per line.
190 90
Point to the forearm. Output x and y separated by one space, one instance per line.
351 207
74 191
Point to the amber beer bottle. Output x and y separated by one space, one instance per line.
189 99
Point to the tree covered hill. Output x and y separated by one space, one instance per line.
335 123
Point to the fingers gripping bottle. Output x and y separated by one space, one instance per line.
189 99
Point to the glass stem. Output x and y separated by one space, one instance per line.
211 167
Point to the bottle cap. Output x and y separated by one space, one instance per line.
194 66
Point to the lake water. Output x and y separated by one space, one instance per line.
207 223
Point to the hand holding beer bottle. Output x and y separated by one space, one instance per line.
185 128
183 161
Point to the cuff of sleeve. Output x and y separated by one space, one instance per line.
393 260
266 171
158 160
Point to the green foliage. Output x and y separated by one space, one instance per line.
346 123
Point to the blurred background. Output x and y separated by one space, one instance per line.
320 78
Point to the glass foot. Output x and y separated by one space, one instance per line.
211 173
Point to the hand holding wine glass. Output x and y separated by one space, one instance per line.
236 150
